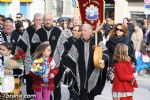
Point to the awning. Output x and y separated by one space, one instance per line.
5 0
25 0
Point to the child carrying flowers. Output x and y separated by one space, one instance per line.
43 72
10 82
7 80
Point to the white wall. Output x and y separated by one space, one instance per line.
67 7
123 9
14 8
120 10
37 6
136 7
75 11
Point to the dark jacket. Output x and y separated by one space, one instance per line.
107 27
148 38
31 31
16 40
112 43
54 34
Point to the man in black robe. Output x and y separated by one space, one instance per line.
90 81
47 33
11 36
52 34
69 78
27 35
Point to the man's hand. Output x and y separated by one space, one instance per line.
67 70
102 63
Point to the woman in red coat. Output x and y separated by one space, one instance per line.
43 72
124 80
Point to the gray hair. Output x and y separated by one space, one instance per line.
7 21
38 15
89 27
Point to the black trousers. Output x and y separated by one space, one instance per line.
72 88
57 93
73 95
57 79
29 82
85 96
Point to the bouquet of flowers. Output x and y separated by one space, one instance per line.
40 68
19 57
37 66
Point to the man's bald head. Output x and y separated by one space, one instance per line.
48 20
48 15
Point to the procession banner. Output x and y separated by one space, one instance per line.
92 11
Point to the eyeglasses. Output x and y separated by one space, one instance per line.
121 30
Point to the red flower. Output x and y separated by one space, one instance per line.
23 55
17 57
20 51
40 64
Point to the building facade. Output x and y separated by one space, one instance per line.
129 8
28 8
116 9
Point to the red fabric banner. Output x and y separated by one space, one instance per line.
91 11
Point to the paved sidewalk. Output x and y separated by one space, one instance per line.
144 82
145 77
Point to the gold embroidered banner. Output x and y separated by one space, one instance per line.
91 11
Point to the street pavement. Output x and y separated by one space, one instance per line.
141 93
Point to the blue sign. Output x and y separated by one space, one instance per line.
147 6
74 3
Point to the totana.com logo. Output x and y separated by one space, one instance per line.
12 96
